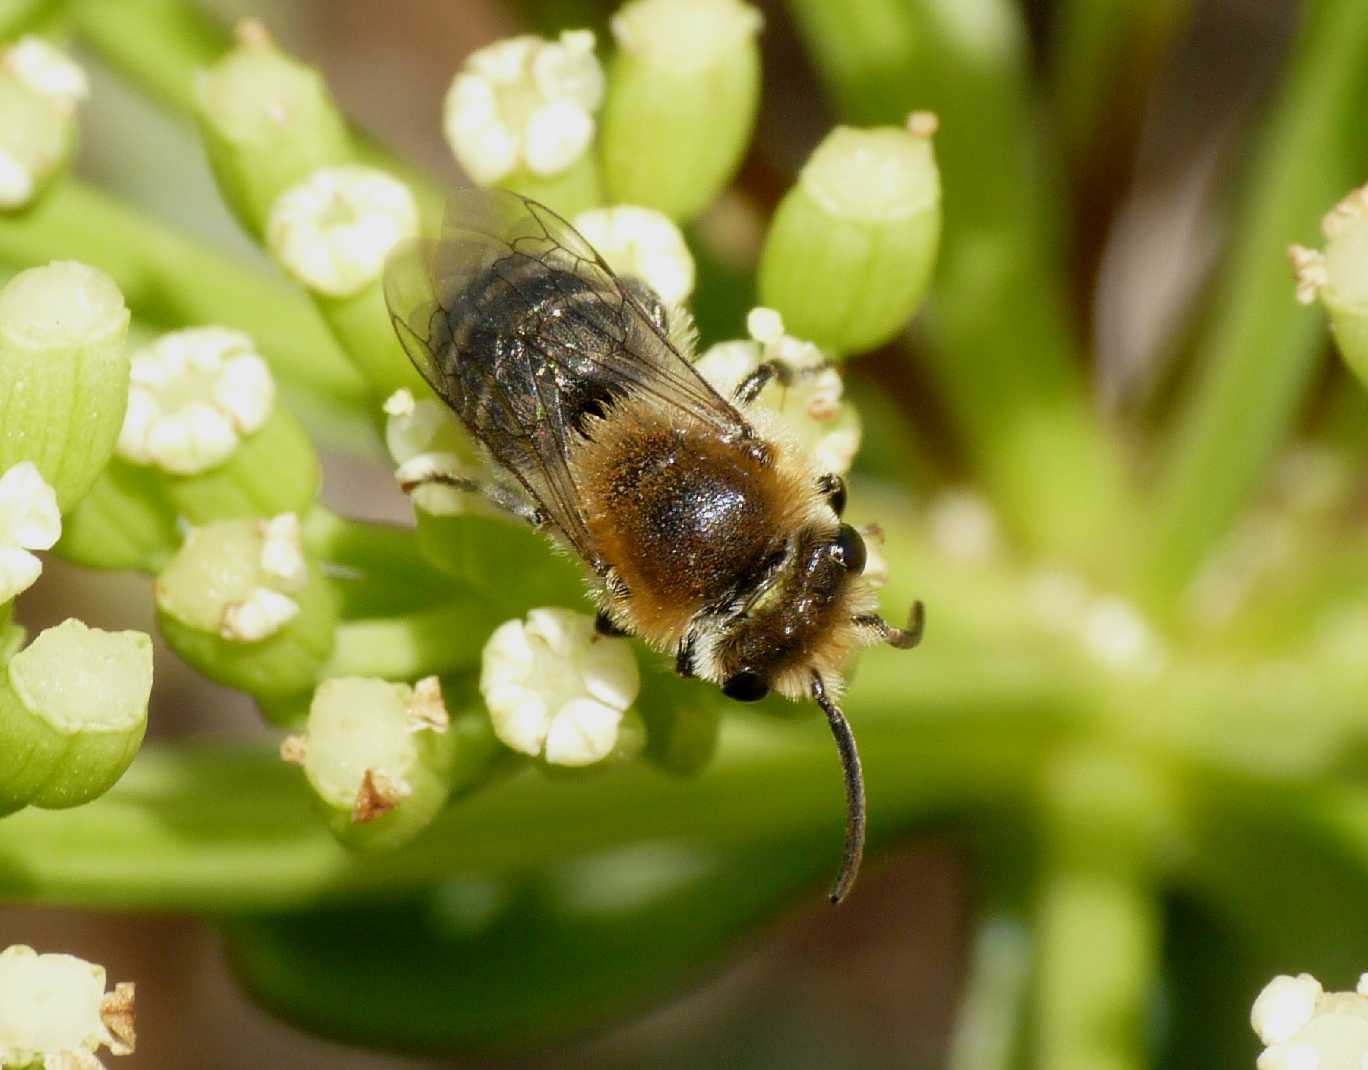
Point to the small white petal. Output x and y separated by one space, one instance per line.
19 570
400 403
506 61
610 673
142 412
560 629
765 325
725 364
29 517
644 244
245 391
569 70
1284 1006
519 716
17 184
582 732
260 615
1289 1057
556 136
408 434
480 140
1362 987
47 70
836 452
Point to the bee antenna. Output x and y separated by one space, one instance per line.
902 638
854 790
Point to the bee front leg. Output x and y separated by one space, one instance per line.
501 497
833 488
749 388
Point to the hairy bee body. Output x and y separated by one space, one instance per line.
704 531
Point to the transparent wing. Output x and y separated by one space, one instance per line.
514 320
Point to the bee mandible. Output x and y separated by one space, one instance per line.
702 530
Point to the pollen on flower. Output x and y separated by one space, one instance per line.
258 616
524 102
426 709
1309 270
282 550
377 796
29 520
334 230
54 1011
556 688
644 244
46 69
809 407
193 395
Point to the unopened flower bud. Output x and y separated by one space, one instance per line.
555 688
243 604
682 98
55 1012
268 122
73 709
849 253
1338 277
63 373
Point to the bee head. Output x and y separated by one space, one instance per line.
797 619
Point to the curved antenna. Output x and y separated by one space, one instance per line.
854 790
901 638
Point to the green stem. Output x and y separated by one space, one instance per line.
1000 343
173 281
1260 350
443 639
217 830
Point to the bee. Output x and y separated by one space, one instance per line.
702 531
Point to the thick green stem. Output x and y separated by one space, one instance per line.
173 281
1000 343
1261 347
443 639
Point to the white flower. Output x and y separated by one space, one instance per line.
54 1011
644 244
334 230
524 102
1306 1028
425 440
556 688
192 396
46 69
810 408
29 520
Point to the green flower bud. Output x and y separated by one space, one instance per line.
520 115
202 413
850 250
682 97
1339 277
73 709
333 231
243 604
267 122
39 89
378 756
55 1012
63 374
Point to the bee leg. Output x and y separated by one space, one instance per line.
749 388
854 790
605 626
900 638
684 657
832 487
496 494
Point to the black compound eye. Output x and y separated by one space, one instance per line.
745 686
849 549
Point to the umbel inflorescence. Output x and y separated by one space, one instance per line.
449 731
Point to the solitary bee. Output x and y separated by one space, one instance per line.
703 533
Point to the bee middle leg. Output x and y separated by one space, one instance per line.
496 494
749 388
